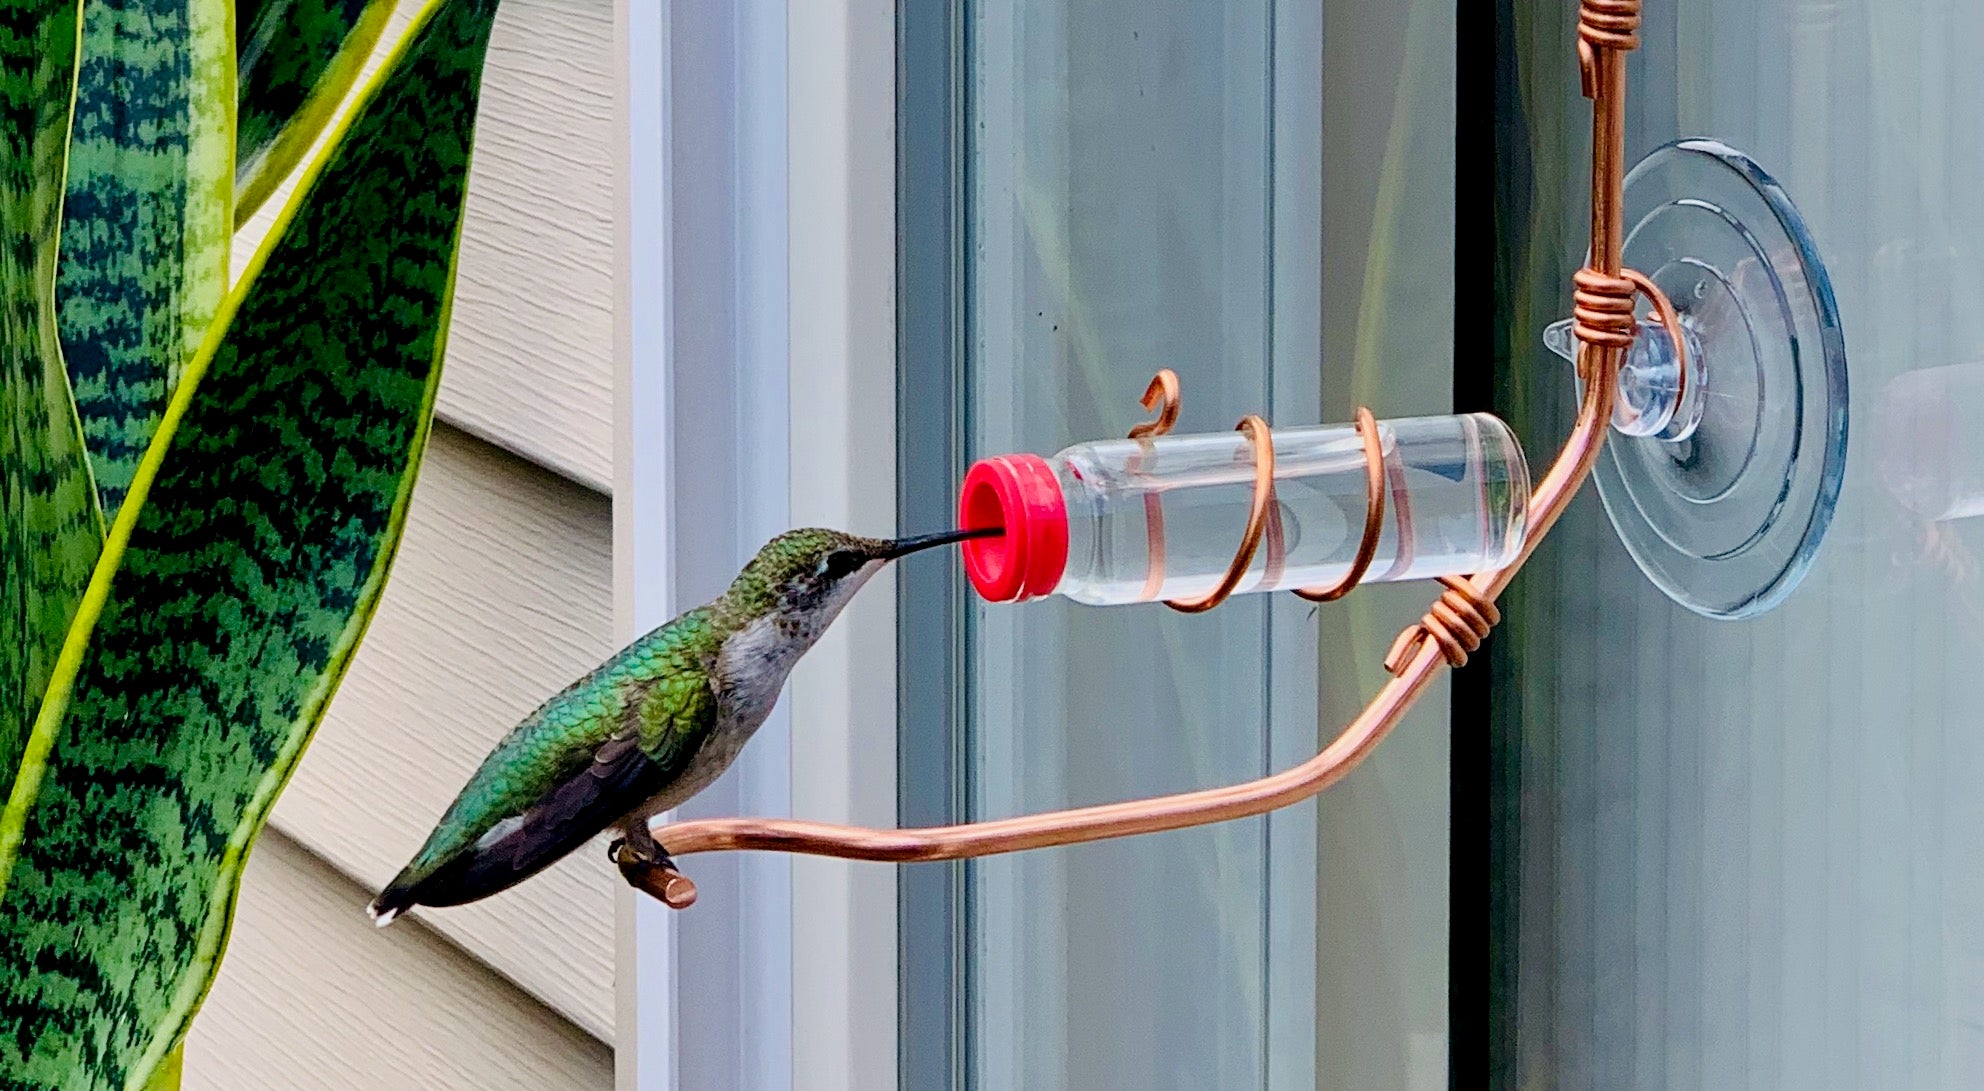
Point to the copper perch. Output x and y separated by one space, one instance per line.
1454 627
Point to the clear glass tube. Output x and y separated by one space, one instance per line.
1456 494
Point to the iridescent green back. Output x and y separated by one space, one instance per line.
658 685
661 686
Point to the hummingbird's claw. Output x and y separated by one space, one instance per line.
650 868
650 854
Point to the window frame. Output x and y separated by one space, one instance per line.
762 174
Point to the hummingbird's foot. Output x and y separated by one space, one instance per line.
640 848
646 865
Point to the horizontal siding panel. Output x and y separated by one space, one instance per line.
500 597
532 334
530 347
311 997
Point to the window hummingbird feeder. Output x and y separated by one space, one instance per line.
1729 400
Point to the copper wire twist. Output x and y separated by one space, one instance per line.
1450 631
1458 622
1603 313
1263 515
1604 24
1609 24
1602 309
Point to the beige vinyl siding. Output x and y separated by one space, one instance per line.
500 596
314 997
534 307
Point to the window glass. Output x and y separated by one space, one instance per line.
1191 186
1748 849
1119 218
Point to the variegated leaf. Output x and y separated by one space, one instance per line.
50 531
247 560
146 226
296 61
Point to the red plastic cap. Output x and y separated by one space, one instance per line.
1017 492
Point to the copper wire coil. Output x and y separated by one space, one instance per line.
1610 24
1262 440
1374 515
1264 515
1458 622
1604 313
1602 309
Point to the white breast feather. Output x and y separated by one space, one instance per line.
751 670
753 666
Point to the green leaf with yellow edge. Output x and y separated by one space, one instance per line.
236 582
166 1076
148 218
296 60
50 531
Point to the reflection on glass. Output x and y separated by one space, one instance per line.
1148 187
1119 169
1930 441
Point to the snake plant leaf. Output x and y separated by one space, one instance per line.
147 221
167 1075
50 530
247 559
295 60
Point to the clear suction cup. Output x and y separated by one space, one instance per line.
1721 481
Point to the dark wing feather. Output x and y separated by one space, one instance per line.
619 777
673 713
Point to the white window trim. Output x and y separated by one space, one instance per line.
644 956
841 103
767 175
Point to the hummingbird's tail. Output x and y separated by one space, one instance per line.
454 882
468 876
398 897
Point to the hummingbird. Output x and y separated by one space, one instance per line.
645 730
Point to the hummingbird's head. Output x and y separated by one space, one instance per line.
807 576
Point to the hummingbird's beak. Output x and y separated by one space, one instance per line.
902 547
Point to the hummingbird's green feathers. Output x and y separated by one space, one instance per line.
650 728
784 560
580 760
675 700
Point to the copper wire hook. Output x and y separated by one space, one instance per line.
1670 320
1161 397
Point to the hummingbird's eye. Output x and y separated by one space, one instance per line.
840 563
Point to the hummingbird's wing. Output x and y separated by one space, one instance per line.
619 778
671 718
